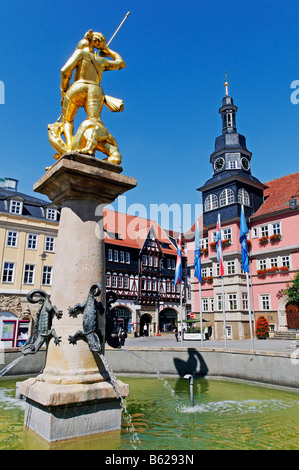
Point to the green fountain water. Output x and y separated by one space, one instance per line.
225 415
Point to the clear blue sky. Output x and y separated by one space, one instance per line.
176 54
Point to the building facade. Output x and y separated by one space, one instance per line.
28 231
272 212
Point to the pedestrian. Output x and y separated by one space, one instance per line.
122 337
176 333
145 333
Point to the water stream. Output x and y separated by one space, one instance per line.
128 418
10 366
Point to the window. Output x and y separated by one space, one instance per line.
120 282
264 231
143 284
173 264
8 272
12 238
243 197
276 228
168 286
232 164
232 301
265 302
114 281
285 260
168 263
205 305
108 280
122 256
150 260
204 272
203 243
29 271
262 264
254 232
115 256
51 214
245 301
155 260
110 255
219 302
211 202
217 269
154 284
226 197
47 275
126 282
128 258
148 284
49 244
32 241
274 262
212 305
15 207
231 267
226 234
229 332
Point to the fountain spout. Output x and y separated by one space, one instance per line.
190 377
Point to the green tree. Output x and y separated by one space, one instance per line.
292 290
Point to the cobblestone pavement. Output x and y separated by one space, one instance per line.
169 341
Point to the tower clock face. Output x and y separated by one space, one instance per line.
245 163
219 164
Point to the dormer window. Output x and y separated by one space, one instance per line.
15 207
51 214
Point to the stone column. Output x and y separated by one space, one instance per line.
74 377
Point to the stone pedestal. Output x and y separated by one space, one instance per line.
73 396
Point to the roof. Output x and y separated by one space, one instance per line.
131 231
32 206
278 193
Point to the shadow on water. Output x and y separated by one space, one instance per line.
194 365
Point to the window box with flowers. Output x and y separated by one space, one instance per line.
275 237
207 279
261 272
272 270
226 242
204 251
284 269
263 240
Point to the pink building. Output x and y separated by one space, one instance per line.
272 215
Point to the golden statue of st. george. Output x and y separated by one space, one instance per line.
86 92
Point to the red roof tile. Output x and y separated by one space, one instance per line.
278 193
132 231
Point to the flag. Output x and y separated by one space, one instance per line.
243 241
219 248
197 261
178 266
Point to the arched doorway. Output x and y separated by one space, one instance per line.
124 318
292 313
167 320
145 324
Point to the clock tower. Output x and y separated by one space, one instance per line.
232 184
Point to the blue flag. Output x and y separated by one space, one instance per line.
197 261
243 241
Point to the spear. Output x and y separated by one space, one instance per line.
118 28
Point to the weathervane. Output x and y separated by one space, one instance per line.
226 84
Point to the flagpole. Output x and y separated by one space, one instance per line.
181 311
200 312
223 312
249 310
